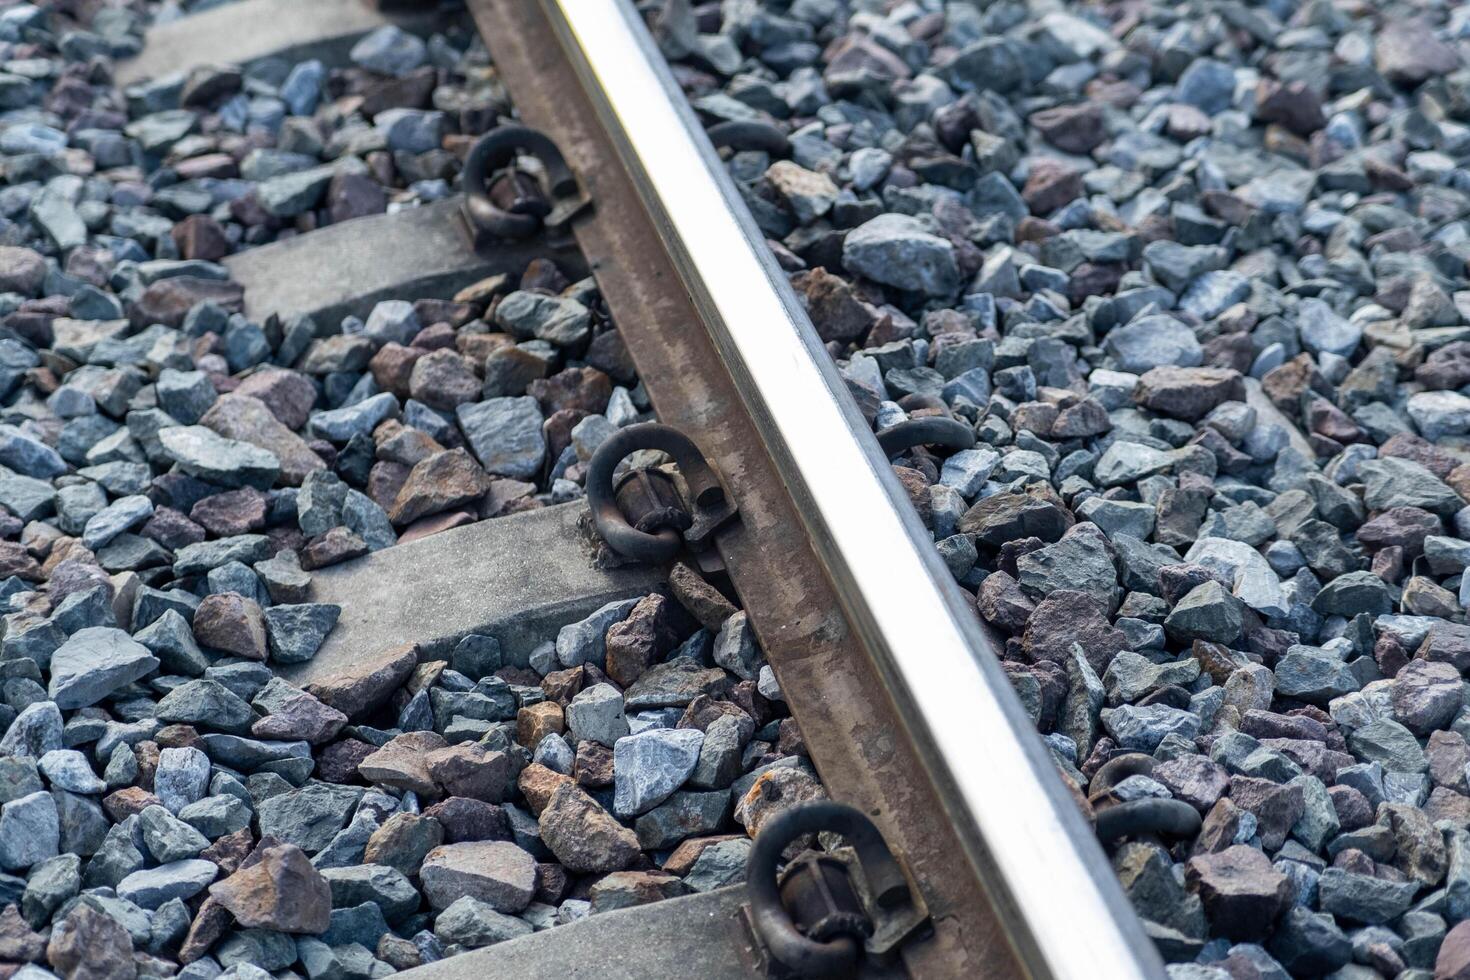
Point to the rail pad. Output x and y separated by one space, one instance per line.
518 578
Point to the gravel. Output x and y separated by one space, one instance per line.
171 474
1199 283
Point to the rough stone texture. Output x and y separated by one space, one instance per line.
280 891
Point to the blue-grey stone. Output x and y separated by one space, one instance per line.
93 663
341 424
206 454
649 766
297 631
152 887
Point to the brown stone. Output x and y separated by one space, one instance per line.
128 801
537 783
472 770
1294 105
230 851
1051 184
209 924
773 791
584 389
358 689
535 721
392 367
15 560
629 889
563 685
302 716
201 237
1064 618
1242 893
248 419
682 859
1188 393
441 482
435 523
399 443
168 301
354 195
702 601
288 395
1285 385
1002 603
280 891
385 480
1073 128
643 637
230 622
338 761
403 762
18 943
22 270
91 945
335 546
1453 959
593 766
495 872
582 835
1448 643
232 512
403 841
443 379
1404 527
836 311
464 819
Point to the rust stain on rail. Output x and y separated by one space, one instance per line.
850 725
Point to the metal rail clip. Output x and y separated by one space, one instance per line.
826 909
749 134
1150 819
505 203
644 516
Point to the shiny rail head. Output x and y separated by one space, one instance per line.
1023 833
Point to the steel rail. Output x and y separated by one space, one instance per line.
902 701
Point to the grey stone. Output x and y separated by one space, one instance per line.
585 641
474 924
505 434
30 831
181 777
897 250
93 663
389 50
560 320
596 714
649 766
202 452
297 631
152 887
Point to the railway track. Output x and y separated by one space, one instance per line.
356 625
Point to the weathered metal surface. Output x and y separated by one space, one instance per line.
518 578
849 722
345 268
294 30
